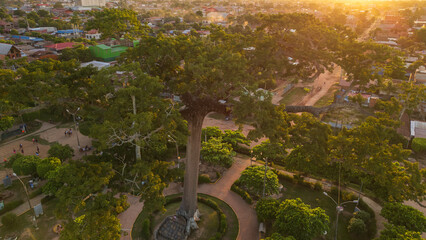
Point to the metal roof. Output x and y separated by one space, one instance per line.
5 48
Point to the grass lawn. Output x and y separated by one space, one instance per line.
318 199
17 189
293 96
348 115
209 220
328 98
25 228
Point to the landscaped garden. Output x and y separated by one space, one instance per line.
217 217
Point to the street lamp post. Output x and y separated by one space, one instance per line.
75 124
28 196
339 209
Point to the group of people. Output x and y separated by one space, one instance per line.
86 148
21 147
68 132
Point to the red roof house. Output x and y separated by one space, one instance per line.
61 46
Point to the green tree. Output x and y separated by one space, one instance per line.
299 220
235 138
252 179
403 215
421 35
211 132
80 53
116 23
275 152
6 122
356 226
45 165
58 5
266 209
26 165
216 152
398 233
10 220
63 152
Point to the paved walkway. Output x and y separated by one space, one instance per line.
128 217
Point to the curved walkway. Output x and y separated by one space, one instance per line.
128 217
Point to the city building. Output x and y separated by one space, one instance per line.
91 3
107 53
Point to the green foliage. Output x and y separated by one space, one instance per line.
363 215
275 152
45 165
419 145
318 186
242 193
235 138
266 209
116 23
12 159
403 215
398 233
211 132
63 152
294 218
216 152
146 229
6 122
80 53
26 165
10 220
252 179
356 226
203 178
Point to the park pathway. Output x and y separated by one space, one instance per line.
128 217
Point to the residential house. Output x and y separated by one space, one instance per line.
60 46
69 33
7 26
91 3
9 51
93 34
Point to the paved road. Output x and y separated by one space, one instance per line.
128 217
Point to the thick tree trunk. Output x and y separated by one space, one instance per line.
188 206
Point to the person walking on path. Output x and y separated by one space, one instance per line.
33 141
22 151
36 141
38 149
70 132
66 133
20 146
14 151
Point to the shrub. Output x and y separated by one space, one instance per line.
318 186
10 220
25 165
216 152
63 152
146 229
356 226
252 179
84 127
363 215
266 209
36 192
44 166
402 215
12 159
419 145
285 177
242 193
204 178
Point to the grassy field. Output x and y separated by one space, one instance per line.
328 98
293 96
42 141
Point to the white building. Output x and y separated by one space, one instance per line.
91 3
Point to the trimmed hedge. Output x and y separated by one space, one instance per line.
10 206
36 192
242 193
203 178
